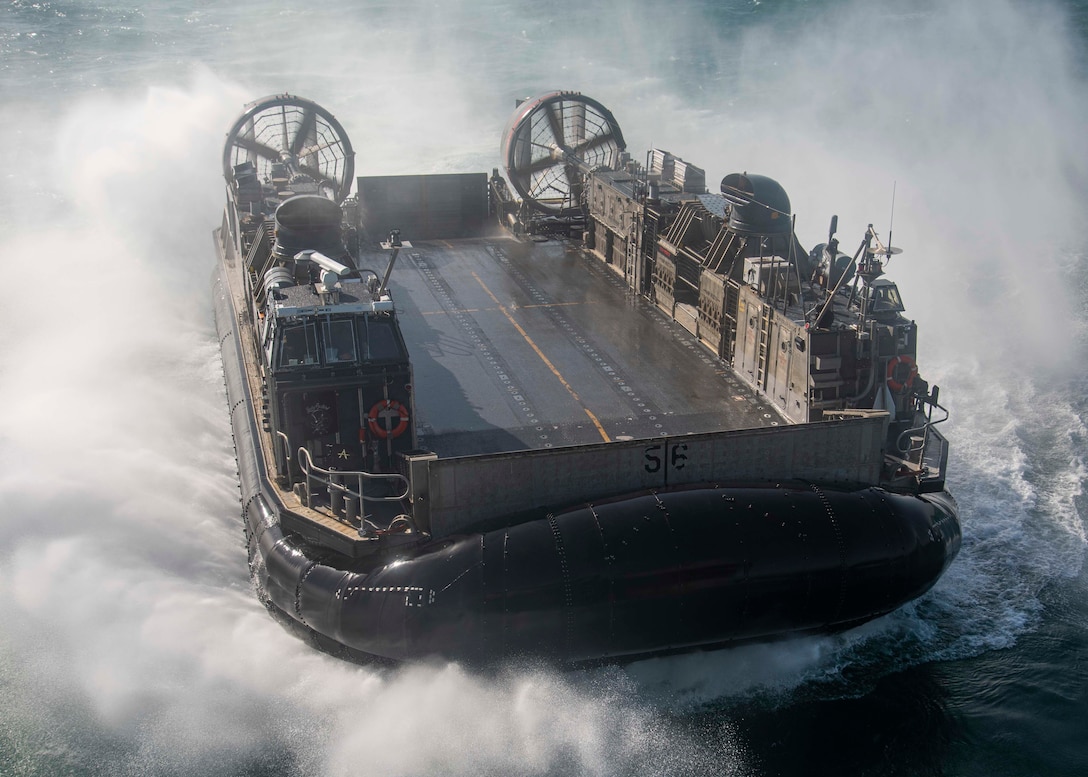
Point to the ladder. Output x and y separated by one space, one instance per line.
764 340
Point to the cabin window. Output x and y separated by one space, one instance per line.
299 346
339 342
379 338
886 299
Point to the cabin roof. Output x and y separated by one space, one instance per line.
306 300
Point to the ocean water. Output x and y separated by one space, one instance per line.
130 639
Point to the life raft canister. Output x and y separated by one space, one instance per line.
387 409
901 372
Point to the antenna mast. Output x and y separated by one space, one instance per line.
891 221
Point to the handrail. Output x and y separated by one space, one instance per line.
924 429
919 454
286 445
330 478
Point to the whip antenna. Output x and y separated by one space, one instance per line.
891 220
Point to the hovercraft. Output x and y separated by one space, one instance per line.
609 415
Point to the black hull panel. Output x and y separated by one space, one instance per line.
653 574
649 573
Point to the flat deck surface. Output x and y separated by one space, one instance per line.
523 345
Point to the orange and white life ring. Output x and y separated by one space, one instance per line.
381 416
901 372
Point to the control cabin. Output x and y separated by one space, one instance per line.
337 380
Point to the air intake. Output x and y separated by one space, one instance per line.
760 205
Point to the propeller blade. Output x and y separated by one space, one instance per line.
319 176
591 143
254 147
305 129
555 121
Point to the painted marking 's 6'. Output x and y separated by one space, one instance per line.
655 455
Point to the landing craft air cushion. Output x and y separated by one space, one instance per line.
609 414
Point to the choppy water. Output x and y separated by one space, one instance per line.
130 640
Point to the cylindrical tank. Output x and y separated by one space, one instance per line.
307 221
277 278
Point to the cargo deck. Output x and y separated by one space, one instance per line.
509 355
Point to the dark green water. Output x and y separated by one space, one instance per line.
130 641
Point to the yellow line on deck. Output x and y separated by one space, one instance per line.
543 358
477 310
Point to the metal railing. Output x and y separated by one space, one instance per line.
286 445
345 502
925 447
337 480
915 442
